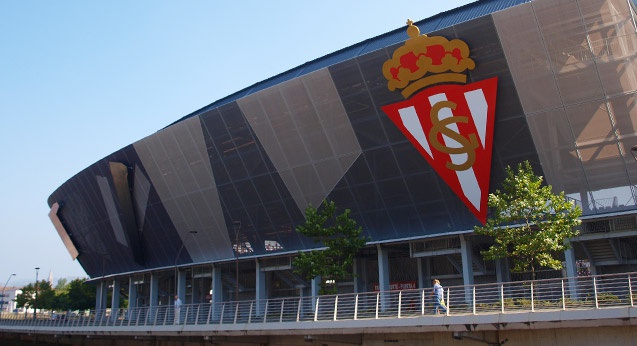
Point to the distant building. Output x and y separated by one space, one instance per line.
10 294
409 132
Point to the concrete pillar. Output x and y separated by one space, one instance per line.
315 286
467 267
132 298
217 294
261 292
154 289
421 275
571 272
217 286
502 270
181 286
360 275
261 287
383 275
315 289
101 295
115 299
153 296
132 293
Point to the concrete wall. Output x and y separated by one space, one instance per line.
616 335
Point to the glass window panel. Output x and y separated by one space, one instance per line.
605 168
597 152
513 138
370 133
309 184
258 119
371 68
579 83
598 14
424 187
303 116
382 163
266 188
359 172
367 197
435 217
379 225
567 44
247 192
229 197
526 57
611 199
590 123
235 167
254 162
556 149
406 220
329 172
409 159
394 192
331 112
619 76
631 164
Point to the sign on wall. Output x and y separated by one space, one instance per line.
447 120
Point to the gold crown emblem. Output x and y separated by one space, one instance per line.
425 61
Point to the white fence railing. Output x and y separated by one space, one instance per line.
590 292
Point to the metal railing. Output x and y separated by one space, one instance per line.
590 292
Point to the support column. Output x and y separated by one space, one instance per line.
502 270
360 275
261 292
421 275
217 294
181 286
424 272
571 271
383 275
315 290
153 296
132 297
115 299
217 286
101 295
467 267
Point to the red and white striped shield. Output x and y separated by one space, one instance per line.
451 125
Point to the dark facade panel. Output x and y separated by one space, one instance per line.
236 176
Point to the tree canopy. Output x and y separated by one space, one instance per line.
45 297
528 222
342 237
75 295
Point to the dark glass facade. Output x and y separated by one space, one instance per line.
247 169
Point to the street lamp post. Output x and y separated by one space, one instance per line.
237 229
3 289
35 302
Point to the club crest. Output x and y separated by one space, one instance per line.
447 120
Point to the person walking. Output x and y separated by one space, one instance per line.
177 309
439 297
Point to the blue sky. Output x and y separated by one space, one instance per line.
82 79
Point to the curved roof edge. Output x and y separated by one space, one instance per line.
437 22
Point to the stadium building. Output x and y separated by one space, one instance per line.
410 130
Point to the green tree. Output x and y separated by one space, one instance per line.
45 296
80 295
61 285
529 223
342 237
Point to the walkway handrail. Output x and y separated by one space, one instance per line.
588 292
